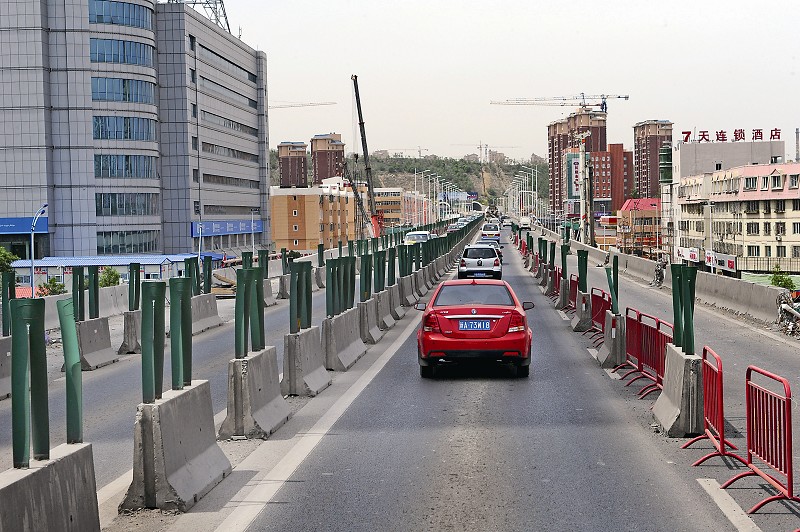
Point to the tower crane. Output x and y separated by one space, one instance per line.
300 104
581 100
377 217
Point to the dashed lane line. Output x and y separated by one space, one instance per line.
738 518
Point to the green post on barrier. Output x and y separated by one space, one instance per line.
350 279
284 262
29 407
331 288
366 278
257 331
94 292
320 255
134 285
247 259
180 330
339 246
263 262
196 276
9 293
299 296
350 250
77 293
207 275
677 304
552 254
392 279
544 252
417 256
242 311
689 276
153 314
612 289
564 253
583 261
379 270
72 371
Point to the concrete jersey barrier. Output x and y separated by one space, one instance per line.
341 337
303 363
368 321
94 341
205 314
396 302
385 318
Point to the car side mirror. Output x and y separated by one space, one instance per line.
527 305
419 306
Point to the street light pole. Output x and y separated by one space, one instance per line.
39 213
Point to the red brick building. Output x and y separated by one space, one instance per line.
648 137
293 164
327 156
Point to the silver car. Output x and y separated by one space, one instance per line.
480 260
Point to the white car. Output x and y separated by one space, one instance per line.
416 236
480 260
524 222
491 231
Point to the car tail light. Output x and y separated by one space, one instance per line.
463 263
431 324
517 323
497 262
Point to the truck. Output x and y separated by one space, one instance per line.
525 222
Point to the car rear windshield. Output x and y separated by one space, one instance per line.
452 226
480 253
490 227
473 294
411 237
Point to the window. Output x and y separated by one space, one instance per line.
795 252
718 166
765 182
780 205
194 110
796 228
226 92
127 204
122 13
230 181
229 152
128 242
125 166
750 183
752 228
464 294
767 228
753 251
780 228
296 242
197 208
123 90
294 213
192 42
124 128
751 207
195 175
225 64
777 182
767 250
118 51
230 210
295 228
227 123
794 181
194 143
780 251
767 206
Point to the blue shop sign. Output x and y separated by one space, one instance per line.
19 226
227 227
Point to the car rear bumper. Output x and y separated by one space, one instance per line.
474 272
511 349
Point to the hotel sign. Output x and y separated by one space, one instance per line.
738 135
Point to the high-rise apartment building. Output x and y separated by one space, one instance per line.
327 156
141 124
561 136
293 164
612 171
648 137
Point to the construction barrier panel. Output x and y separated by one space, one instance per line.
304 363
419 283
769 436
256 407
368 321
176 459
385 318
713 409
341 337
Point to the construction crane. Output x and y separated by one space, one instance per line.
581 100
377 217
300 104
418 149
353 181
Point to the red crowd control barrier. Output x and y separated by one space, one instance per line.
633 343
555 275
654 335
536 261
601 302
572 303
769 436
713 409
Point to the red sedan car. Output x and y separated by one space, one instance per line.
478 319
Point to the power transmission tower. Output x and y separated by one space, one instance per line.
214 9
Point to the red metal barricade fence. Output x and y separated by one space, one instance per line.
572 303
536 261
654 335
633 343
713 409
555 275
601 302
769 436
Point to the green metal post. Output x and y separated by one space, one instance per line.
392 259
196 277
583 261
552 253
564 253
306 301
188 271
294 309
689 276
613 291
9 293
207 275
544 252
677 304
379 266
133 285
263 262
350 250
94 292
77 293
330 288
616 276
29 409
366 277
247 259
257 331
72 369
320 255
180 289
284 262
339 255
153 325
242 311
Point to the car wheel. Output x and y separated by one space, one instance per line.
523 372
427 372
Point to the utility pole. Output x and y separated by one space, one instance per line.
582 181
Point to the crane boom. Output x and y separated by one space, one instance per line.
300 104
600 100
377 221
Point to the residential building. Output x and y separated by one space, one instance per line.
293 164
638 227
695 158
612 183
648 137
134 122
389 201
561 136
327 156
746 218
305 217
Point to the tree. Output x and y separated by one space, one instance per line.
51 288
781 279
108 277
634 194
6 258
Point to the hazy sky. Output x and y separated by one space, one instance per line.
427 70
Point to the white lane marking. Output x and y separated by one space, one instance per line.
728 505
251 505
122 482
